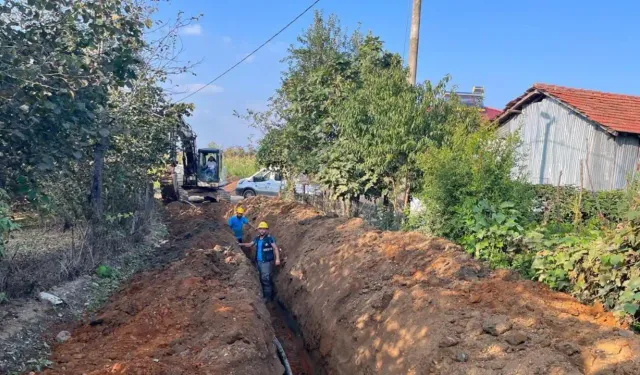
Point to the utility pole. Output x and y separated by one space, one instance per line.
413 40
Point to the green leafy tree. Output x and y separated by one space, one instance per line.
83 106
300 112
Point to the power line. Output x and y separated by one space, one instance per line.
252 52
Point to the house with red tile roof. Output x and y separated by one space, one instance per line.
575 137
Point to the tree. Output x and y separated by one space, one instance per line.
299 113
82 102
346 116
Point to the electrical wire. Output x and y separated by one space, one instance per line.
250 54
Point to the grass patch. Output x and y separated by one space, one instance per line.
240 166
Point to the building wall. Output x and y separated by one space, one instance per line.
556 141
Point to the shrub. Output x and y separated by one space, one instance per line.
469 169
104 272
567 204
494 233
596 264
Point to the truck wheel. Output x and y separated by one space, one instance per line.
249 193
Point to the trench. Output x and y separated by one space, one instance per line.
289 334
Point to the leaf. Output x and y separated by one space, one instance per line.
104 133
633 215
616 259
148 23
506 205
631 308
634 283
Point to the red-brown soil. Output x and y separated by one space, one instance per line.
231 186
373 302
366 301
202 314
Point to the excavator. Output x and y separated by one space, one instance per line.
199 176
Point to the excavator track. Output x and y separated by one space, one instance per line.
172 190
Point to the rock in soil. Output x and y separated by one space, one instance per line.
516 338
449 341
63 336
568 348
48 297
497 325
461 357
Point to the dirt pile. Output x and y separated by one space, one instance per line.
199 315
373 302
231 186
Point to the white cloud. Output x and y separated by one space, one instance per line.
193 87
194 29
250 59
226 40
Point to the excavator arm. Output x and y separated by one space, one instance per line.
171 184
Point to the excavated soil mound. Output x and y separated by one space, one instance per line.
373 302
231 187
199 315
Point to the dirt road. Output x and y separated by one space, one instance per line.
365 301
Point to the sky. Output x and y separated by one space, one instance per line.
505 46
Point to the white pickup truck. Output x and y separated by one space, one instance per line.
268 182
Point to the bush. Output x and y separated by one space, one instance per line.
595 262
602 266
104 272
583 243
567 204
495 233
470 169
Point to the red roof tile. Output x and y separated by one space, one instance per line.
491 113
613 111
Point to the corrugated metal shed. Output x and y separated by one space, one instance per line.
560 145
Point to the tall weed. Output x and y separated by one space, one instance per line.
240 166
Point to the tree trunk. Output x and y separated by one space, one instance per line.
149 200
385 201
355 202
96 201
407 193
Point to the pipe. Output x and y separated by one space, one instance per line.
283 357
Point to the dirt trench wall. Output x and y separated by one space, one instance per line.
201 314
373 302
